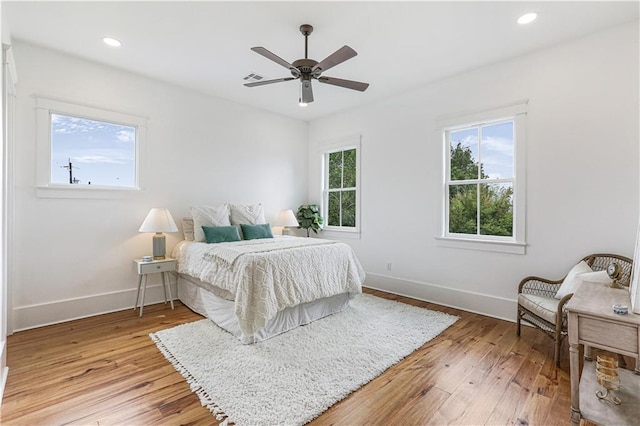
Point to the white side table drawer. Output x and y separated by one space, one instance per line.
152 267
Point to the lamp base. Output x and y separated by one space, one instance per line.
159 246
286 230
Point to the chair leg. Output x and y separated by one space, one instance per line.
558 345
518 323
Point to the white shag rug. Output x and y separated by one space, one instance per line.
292 378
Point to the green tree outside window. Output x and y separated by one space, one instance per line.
480 204
341 199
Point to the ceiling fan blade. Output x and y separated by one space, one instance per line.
307 92
275 58
337 57
262 83
349 84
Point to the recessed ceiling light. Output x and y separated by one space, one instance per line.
112 42
527 18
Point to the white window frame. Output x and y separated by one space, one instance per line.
345 145
516 244
45 107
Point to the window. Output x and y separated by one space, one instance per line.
106 152
87 152
484 181
341 180
481 180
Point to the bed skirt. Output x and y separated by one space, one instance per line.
200 298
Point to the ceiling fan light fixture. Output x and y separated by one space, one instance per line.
527 18
301 100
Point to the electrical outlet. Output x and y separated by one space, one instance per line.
389 266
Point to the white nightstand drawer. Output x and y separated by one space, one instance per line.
156 266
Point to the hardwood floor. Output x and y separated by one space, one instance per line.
105 370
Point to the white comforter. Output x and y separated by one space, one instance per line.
268 275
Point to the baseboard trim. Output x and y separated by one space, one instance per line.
40 315
4 372
3 382
43 314
478 303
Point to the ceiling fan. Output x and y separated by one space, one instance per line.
307 69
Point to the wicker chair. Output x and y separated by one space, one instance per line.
538 306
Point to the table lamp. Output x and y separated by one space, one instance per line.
159 221
286 218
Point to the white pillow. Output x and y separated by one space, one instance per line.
187 228
599 277
572 282
247 215
571 286
208 216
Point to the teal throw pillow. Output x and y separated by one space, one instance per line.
220 234
253 232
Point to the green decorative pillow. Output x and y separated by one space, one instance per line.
253 232
220 234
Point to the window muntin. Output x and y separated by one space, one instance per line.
341 180
481 180
92 152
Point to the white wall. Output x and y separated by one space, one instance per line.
3 186
73 258
582 171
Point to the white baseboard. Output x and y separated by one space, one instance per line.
3 382
492 306
33 316
4 370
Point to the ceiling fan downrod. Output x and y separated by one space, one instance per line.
306 29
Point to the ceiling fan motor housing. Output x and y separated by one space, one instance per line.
305 66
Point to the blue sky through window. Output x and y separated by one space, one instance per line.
496 147
497 150
101 153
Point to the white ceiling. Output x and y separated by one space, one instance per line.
205 46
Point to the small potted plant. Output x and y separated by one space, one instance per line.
309 218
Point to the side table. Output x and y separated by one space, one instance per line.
163 267
593 323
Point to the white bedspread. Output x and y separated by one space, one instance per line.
268 275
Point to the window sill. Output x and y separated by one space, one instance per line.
340 233
95 193
482 245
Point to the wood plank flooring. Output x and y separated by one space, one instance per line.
105 370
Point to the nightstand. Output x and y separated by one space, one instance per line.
163 267
592 323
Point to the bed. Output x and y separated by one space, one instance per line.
257 289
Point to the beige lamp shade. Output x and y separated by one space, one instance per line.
286 218
158 220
